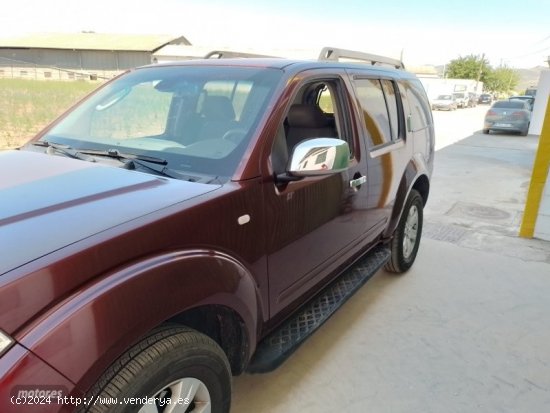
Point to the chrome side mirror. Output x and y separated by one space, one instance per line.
319 156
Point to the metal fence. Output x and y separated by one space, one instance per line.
17 69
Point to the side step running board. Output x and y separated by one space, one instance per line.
274 349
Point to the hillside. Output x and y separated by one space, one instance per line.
528 78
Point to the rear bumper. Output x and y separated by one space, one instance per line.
442 107
510 126
29 385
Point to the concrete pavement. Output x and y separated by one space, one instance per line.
478 195
466 330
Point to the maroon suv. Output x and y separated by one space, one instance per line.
188 222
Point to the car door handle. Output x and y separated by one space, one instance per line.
354 183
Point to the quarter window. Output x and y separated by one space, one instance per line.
420 114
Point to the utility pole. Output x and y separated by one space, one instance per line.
480 70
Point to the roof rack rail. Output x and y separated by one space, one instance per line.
228 54
334 54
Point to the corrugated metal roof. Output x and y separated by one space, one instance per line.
93 41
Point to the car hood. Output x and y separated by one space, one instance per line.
49 202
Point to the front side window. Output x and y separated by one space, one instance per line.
197 118
317 111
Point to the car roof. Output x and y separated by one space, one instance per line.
286 64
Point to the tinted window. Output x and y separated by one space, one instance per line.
375 113
391 102
518 104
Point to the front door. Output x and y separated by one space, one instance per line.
314 224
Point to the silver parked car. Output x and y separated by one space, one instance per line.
444 102
461 99
508 116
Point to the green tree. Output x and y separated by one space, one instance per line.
469 67
501 80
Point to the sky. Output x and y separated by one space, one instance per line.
515 33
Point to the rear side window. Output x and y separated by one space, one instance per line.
393 111
378 100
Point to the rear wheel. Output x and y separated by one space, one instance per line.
406 239
525 131
175 369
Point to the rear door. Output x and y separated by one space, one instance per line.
383 128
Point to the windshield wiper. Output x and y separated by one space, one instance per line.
52 148
115 153
144 161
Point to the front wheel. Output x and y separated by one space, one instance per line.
174 369
406 239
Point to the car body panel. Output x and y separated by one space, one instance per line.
56 193
82 334
22 371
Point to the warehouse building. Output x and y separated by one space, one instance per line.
86 56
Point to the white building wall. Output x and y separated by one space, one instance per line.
543 91
542 227
437 86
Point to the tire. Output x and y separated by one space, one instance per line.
485 131
169 362
525 131
406 238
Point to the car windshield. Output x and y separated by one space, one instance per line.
197 118
517 104
444 97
